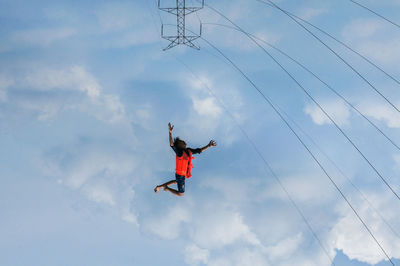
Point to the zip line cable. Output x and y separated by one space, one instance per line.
298 137
333 51
343 44
290 127
376 13
317 77
268 166
312 98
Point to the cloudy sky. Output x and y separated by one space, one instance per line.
86 94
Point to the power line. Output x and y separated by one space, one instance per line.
295 133
333 51
310 138
306 147
376 13
343 174
277 179
312 98
318 78
299 138
345 45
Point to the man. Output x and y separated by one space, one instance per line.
183 163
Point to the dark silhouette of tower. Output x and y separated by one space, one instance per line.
180 11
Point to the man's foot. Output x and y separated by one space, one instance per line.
157 188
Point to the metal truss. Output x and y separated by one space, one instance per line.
180 11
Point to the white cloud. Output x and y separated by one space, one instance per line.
383 51
195 255
41 37
167 223
362 28
248 257
309 12
375 39
207 116
207 107
308 187
284 248
99 193
221 229
58 90
106 107
101 173
73 78
338 110
349 235
382 112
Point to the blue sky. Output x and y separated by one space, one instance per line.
86 94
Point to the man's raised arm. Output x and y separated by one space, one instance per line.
171 141
211 144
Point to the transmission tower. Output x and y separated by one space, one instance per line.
180 11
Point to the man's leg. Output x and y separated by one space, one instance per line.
174 191
180 182
157 188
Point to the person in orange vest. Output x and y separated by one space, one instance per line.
183 163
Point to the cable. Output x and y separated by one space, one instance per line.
309 137
342 173
277 179
294 132
345 45
298 137
317 77
335 53
259 154
314 143
312 98
379 15
302 142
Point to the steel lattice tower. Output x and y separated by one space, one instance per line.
180 11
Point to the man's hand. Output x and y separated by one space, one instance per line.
170 127
212 143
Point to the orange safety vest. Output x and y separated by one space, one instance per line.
184 164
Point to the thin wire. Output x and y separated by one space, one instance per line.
312 98
379 15
335 53
295 133
277 179
302 142
345 45
309 137
197 15
342 173
257 151
317 77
